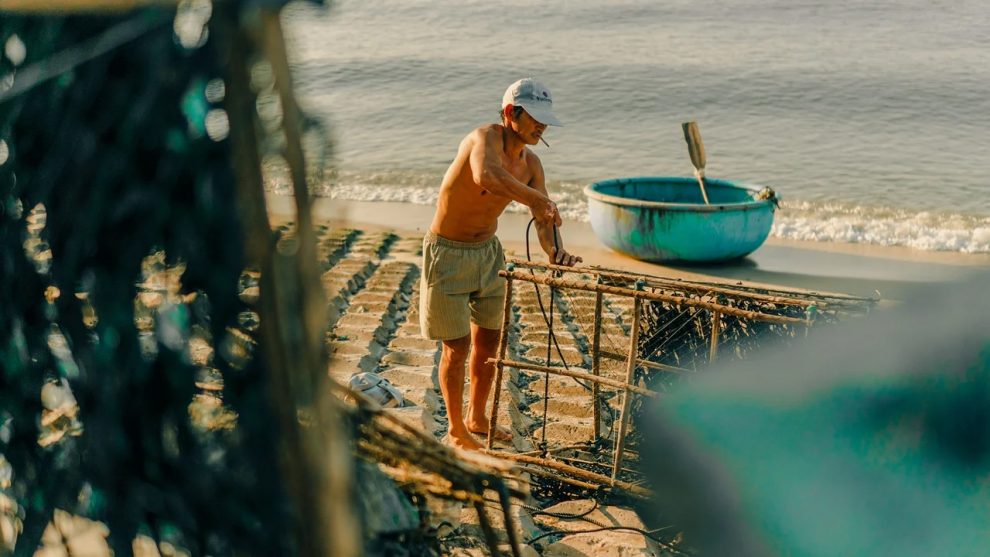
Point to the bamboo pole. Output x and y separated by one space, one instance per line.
620 441
292 359
510 526
570 481
716 327
595 361
593 463
558 449
503 344
784 297
661 367
645 363
477 482
614 383
328 445
653 296
486 527
446 459
389 447
576 446
576 472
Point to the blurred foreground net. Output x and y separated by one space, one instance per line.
870 438
164 386
121 252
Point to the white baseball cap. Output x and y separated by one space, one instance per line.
534 97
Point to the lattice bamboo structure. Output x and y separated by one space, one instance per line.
726 321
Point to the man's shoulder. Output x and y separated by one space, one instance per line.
484 134
487 130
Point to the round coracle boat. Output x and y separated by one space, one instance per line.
666 218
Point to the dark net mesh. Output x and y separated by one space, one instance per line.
128 394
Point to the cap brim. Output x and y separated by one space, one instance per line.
542 113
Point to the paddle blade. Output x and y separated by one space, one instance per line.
696 148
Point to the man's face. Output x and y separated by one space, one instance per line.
528 129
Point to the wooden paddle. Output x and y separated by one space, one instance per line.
697 151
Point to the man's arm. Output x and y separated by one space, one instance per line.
488 173
546 230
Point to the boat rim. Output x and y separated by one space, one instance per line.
591 192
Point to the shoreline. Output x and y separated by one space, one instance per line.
856 269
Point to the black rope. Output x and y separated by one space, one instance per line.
533 511
539 298
552 337
546 375
645 533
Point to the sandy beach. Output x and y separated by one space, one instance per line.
371 255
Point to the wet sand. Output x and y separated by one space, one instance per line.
857 269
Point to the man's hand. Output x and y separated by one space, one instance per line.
545 211
561 257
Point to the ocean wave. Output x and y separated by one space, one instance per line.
923 230
796 220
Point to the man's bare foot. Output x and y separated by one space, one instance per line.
481 428
462 441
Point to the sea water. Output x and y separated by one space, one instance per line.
870 119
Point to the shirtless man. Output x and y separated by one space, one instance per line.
461 294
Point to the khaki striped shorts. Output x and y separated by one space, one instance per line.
460 285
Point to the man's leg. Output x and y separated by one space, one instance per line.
452 359
485 343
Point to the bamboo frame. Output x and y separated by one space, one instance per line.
560 478
557 449
645 363
697 286
615 383
574 471
620 440
455 467
652 296
445 455
567 459
503 343
549 462
596 410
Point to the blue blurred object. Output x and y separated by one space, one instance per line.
872 438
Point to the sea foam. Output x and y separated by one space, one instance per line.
796 219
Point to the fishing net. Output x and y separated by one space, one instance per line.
131 406
146 406
677 328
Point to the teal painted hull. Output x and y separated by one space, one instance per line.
666 219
